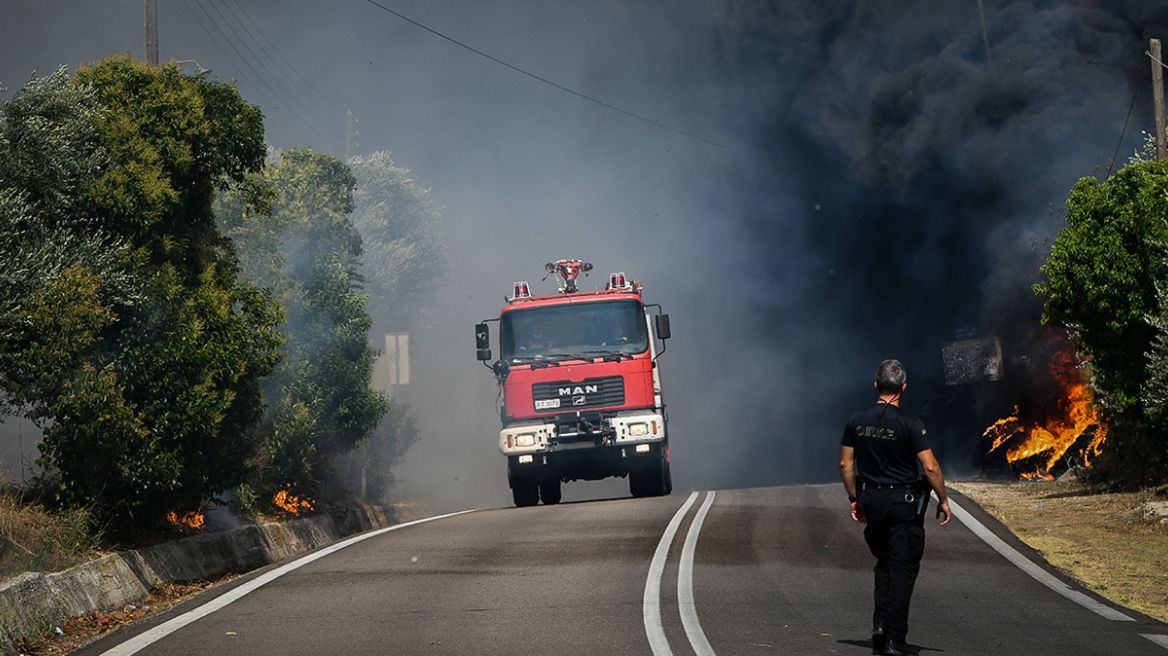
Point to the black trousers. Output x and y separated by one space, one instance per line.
895 534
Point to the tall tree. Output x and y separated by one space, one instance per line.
304 246
49 154
1102 278
405 252
404 263
147 399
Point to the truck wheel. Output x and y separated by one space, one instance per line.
525 493
652 482
550 492
637 484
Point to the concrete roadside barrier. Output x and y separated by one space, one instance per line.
33 604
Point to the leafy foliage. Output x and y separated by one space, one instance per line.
135 349
49 154
306 249
405 252
1103 276
368 469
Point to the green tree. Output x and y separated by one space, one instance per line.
1102 274
49 154
405 252
304 247
404 263
1102 278
143 368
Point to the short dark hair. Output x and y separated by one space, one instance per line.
890 377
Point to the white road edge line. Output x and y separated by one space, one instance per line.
145 639
685 595
1161 640
651 604
1023 563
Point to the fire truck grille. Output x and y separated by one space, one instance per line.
558 396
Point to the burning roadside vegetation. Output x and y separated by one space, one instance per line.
1055 423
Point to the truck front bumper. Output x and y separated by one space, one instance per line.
584 447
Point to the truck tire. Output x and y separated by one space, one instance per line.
525 493
637 484
655 481
550 492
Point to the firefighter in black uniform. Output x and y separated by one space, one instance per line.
882 447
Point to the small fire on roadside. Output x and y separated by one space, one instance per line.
291 503
1062 429
191 520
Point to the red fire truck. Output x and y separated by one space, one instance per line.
580 386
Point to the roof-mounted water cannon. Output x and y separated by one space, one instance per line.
566 272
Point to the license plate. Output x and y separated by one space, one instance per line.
547 404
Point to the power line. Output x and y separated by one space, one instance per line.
545 80
256 77
294 96
1139 84
247 61
303 79
219 44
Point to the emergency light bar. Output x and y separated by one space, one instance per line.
522 290
618 281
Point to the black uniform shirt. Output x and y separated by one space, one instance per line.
887 441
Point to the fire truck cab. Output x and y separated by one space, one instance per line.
580 387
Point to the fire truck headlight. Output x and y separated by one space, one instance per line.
638 430
526 459
642 448
526 439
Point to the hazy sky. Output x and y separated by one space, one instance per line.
878 180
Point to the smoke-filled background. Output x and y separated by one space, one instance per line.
806 188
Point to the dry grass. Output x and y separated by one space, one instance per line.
34 540
1105 540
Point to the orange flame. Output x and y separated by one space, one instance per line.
291 503
1048 441
193 519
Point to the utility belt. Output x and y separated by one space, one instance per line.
917 491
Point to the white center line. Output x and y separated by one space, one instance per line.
685 596
1161 640
651 603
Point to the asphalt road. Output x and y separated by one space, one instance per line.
765 571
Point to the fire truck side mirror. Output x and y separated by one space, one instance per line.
483 342
661 322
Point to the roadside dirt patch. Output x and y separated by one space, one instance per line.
79 630
1114 543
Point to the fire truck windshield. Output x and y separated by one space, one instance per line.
571 331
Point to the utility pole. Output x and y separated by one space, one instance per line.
1158 98
152 32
